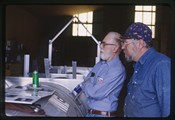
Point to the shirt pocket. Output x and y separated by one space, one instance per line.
144 93
136 94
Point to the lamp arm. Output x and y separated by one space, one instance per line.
88 31
62 30
56 36
98 43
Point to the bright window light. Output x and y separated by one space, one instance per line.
147 18
87 20
146 15
147 8
138 16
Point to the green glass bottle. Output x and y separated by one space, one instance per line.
35 77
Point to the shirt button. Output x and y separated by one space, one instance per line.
133 97
129 93
136 71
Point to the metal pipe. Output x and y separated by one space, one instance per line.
62 30
74 69
51 41
88 31
26 65
97 59
50 52
98 53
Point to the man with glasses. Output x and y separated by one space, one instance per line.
148 92
105 80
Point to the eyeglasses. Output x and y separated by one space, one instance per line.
103 44
127 43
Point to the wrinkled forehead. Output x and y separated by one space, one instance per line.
112 38
126 39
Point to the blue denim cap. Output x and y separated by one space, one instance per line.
138 31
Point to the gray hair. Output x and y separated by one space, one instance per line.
117 37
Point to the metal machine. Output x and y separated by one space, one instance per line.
55 96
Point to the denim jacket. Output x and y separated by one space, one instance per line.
149 87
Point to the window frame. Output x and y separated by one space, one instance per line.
87 21
141 9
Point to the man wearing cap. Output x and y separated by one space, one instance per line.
148 93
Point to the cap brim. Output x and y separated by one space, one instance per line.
125 37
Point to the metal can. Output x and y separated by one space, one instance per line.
35 77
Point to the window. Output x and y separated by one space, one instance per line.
86 19
146 15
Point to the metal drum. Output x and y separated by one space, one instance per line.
62 103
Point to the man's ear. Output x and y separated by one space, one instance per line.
141 43
115 49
